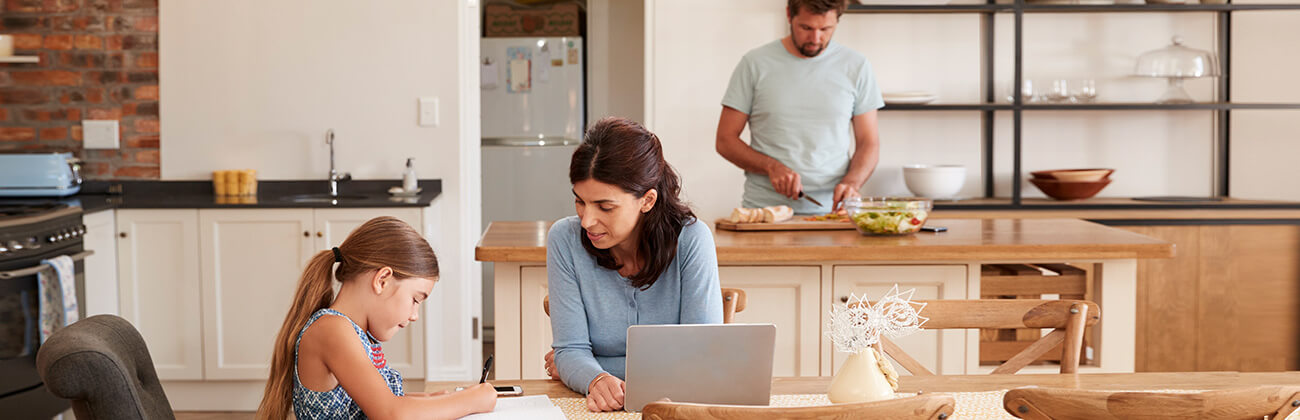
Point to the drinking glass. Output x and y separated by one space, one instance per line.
1085 91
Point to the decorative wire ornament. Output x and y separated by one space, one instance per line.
858 324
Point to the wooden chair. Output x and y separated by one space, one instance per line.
733 301
926 406
1068 317
1268 402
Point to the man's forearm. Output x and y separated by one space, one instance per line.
862 165
740 154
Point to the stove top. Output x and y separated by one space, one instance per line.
10 211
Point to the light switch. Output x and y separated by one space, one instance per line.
99 134
428 112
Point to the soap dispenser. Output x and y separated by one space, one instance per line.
409 183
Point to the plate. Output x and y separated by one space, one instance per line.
398 191
910 100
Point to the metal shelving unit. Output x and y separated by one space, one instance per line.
1018 8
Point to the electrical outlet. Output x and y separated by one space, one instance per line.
99 134
428 110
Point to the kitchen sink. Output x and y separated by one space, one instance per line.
322 198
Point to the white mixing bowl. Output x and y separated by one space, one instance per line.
934 181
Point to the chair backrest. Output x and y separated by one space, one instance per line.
102 365
1270 402
1067 317
733 301
926 406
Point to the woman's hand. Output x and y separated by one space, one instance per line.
550 365
605 393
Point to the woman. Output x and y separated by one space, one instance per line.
633 255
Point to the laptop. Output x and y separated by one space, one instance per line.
702 363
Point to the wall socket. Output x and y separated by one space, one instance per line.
428 111
99 134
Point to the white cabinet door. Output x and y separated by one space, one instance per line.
405 351
535 326
941 351
334 225
101 267
252 260
158 271
788 297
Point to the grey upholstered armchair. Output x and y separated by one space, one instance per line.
102 365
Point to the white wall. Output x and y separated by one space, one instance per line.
255 84
1154 152
1265 143
616 59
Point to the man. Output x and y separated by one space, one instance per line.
806 100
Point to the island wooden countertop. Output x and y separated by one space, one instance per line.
965 240
980 383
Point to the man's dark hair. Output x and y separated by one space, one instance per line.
816 7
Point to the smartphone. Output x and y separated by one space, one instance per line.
509 391
933 229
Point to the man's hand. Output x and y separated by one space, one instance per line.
785 181
550 365
605 393
843 192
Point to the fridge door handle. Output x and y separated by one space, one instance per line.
539 141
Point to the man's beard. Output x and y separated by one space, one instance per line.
811 50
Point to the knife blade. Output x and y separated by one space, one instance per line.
809 198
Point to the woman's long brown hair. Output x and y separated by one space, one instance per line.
380 242
621 152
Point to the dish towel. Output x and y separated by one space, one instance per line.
58 293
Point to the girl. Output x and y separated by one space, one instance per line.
634 254
328 362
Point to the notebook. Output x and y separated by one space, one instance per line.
537 407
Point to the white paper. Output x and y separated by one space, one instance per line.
488 75
531 407
519 77
544 70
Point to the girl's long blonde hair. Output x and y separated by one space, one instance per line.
380 242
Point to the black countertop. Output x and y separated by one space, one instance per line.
102 195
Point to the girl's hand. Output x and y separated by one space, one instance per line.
482 397
605 393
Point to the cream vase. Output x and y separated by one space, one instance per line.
860 380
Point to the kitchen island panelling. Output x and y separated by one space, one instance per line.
793 278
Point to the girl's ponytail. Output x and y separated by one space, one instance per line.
315 292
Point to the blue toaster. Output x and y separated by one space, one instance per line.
39 174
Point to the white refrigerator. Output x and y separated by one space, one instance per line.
533 116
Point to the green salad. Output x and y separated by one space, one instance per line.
888 221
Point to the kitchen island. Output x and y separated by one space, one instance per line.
793 278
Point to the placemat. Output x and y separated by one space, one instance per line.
970 405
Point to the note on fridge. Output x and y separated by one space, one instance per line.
532 407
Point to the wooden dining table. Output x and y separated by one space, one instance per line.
1147 381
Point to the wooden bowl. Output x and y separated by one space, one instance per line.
1067 190
1074 175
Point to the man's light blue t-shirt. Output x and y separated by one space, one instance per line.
800 112
592 306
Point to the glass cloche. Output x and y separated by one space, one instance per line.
1177 62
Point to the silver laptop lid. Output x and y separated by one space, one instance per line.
708 364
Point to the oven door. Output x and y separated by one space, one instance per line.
22 392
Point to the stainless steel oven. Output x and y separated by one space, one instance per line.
30 233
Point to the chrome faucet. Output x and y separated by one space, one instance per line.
335 177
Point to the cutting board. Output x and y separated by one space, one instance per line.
793 224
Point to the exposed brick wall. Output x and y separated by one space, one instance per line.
99 60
